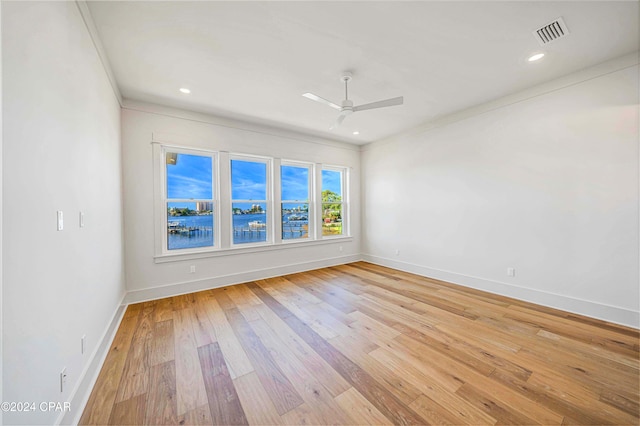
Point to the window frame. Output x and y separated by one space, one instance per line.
344 187
269 216
222 204
311 231
164 199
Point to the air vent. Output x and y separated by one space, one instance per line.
551 32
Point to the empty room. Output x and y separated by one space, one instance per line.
320 212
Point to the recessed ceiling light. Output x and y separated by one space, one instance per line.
185 90
535 57
356 132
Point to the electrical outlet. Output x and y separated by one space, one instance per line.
340 248
397 252
83 341
63 379
81 219
511 272
192 269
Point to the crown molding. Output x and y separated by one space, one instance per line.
97 43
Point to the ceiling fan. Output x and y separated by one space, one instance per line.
347 107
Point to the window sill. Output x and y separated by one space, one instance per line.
178 257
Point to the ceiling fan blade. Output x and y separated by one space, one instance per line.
380 104
321 100
338 122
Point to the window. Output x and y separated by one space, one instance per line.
250 200
210 203
295 190
333 205
189 199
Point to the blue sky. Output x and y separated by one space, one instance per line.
295 183
248 180
331 181
191 178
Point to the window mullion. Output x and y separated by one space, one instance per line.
317 211
226 218
276 207
159 191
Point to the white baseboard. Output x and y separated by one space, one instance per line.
82 391
588 308
186 287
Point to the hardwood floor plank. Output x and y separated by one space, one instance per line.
129 411
590 374
371 329
480 335
418 373
595 352
241 295
198 416
353 403
433 412
162 347
395 384
557 402
527 407
164 310
576 330
333 280
383 311
363 344
161 404
100 404
389 296
383 400
224 404
255 401
338 298
503 414
303 311
475 357
135 376
279 388
203 330
301 415
323 372
296 294
621 402
447 398
190 387
234 354
307 386
562 388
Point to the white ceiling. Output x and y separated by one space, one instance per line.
253 60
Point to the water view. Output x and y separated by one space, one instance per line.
198 231
191 201
189 231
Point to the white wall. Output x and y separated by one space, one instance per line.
61 152
147 279
546 184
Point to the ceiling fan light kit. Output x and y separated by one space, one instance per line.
346 107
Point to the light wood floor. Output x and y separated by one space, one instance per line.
363 344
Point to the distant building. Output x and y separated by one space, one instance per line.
204 206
